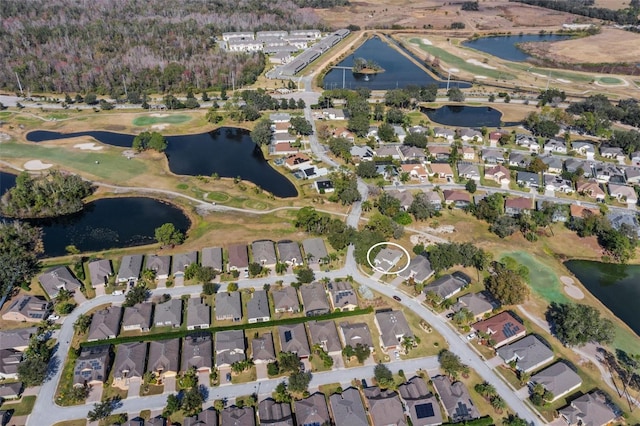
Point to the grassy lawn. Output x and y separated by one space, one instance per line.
153 390
112 165
66 381
542 279
609 80
78 422
554 73
330 389
22 408
168 119
245 377
112 391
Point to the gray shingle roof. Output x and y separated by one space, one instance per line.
137 316
168 313
385 407
476 303
589 410
342 295
208 417
258 306
528 352
316 248
262 348
182 260
456 399
236 416
314 299
238 256
130 267
422 405
159 264
212 257
325 334
558 378
356 333
229 347
348 409
105 324
445 286
129 361
285 298
274 413
293 338
92 365
419 268
312 410
289 252
393 327
198 313
228 306
264 252
197 352
16 339
56 278
164 356
100 271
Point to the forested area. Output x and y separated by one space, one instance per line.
54 194
156 45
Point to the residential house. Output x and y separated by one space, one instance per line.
527 141
105 324
312 411
168 314
623 193
289 253
264 253
238 257
559 379
557 184
433 197
58 278
468 153
517 159
405 197
499 174
455 399
356 333
492 156
137 317
9 391
16 339
418 129
164 356
494 138
314 299
574 165
100 271
342 296
92 366
315 250
324 333
445 286
400 133
528 179
238 416
441 132
208 417
422 405
129 363
197 353
160 265
198 314
280 117
478 304
258 307
439 152
459 199
517 206
282 139
262 349
28 309
584 148
555 145
560 212
591 189
469 171
555 165
9 361
591 409
441 170
387 259
324 186
293 338
613 152
348 409
281 127
632 175
606 172
228 306
469 135
618 218
388 151
212 258
272 413
385 407
416 171
528 353
635 158
394 328
411 153
297 161
419 269
181 261
581 211
501 329
229 347
285 299
130 268
334 114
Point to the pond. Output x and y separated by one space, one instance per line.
399 71
106 223
227 151
464 116
616 286
505 47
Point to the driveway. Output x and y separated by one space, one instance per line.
261 371
178 281
169 384
100 291
338 362
134 388
203 378
494 362
95 394
223 375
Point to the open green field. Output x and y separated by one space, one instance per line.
22 408
168 119
112 165
460 63
542 279
610 80
573 77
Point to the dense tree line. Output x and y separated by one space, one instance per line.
577 325
620 244
33 370
20 246
149 140
51 195
627 16
158 45
627 111
506 285
443 256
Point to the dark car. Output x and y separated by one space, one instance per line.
397 298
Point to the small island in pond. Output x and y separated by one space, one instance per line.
51 195
364 66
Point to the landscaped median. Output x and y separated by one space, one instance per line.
215 329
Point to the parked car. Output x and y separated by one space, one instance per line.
396 354
450 315
397 298
228 377
471 336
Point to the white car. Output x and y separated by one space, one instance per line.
53 317
471 336
396 354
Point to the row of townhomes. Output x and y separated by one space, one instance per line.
269 41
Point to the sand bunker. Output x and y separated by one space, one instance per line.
480 77
4 137
480 64
158 115
159 126
426 41
562 80
538 74
571 290
36 165
90 146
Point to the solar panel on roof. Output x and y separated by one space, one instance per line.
424 410
287 336
462 410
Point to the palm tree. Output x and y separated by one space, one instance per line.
366 206
405 177
498 403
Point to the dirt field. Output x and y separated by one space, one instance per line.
493 15
612 4
600 48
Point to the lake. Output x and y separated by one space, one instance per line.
464 116
399 71
505 47
616 286
227 151
106 223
